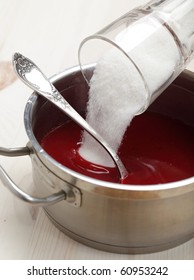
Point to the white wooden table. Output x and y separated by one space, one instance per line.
48 32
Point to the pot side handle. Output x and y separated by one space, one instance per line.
6 180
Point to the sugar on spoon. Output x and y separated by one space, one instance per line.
33 77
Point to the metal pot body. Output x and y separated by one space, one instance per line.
109 216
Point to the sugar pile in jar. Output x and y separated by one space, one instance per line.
117 90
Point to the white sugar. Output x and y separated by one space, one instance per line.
117 91
111 106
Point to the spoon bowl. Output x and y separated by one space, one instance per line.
33 77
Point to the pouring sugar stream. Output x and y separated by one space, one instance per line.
139 55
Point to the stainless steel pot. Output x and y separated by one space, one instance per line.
108 216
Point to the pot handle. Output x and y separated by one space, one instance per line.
6 180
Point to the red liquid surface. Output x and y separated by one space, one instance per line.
155 149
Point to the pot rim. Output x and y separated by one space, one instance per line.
40 151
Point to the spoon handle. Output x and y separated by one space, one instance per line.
33 77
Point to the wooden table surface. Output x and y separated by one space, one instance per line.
48 32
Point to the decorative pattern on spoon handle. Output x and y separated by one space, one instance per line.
22 64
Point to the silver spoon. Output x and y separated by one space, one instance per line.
33 77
